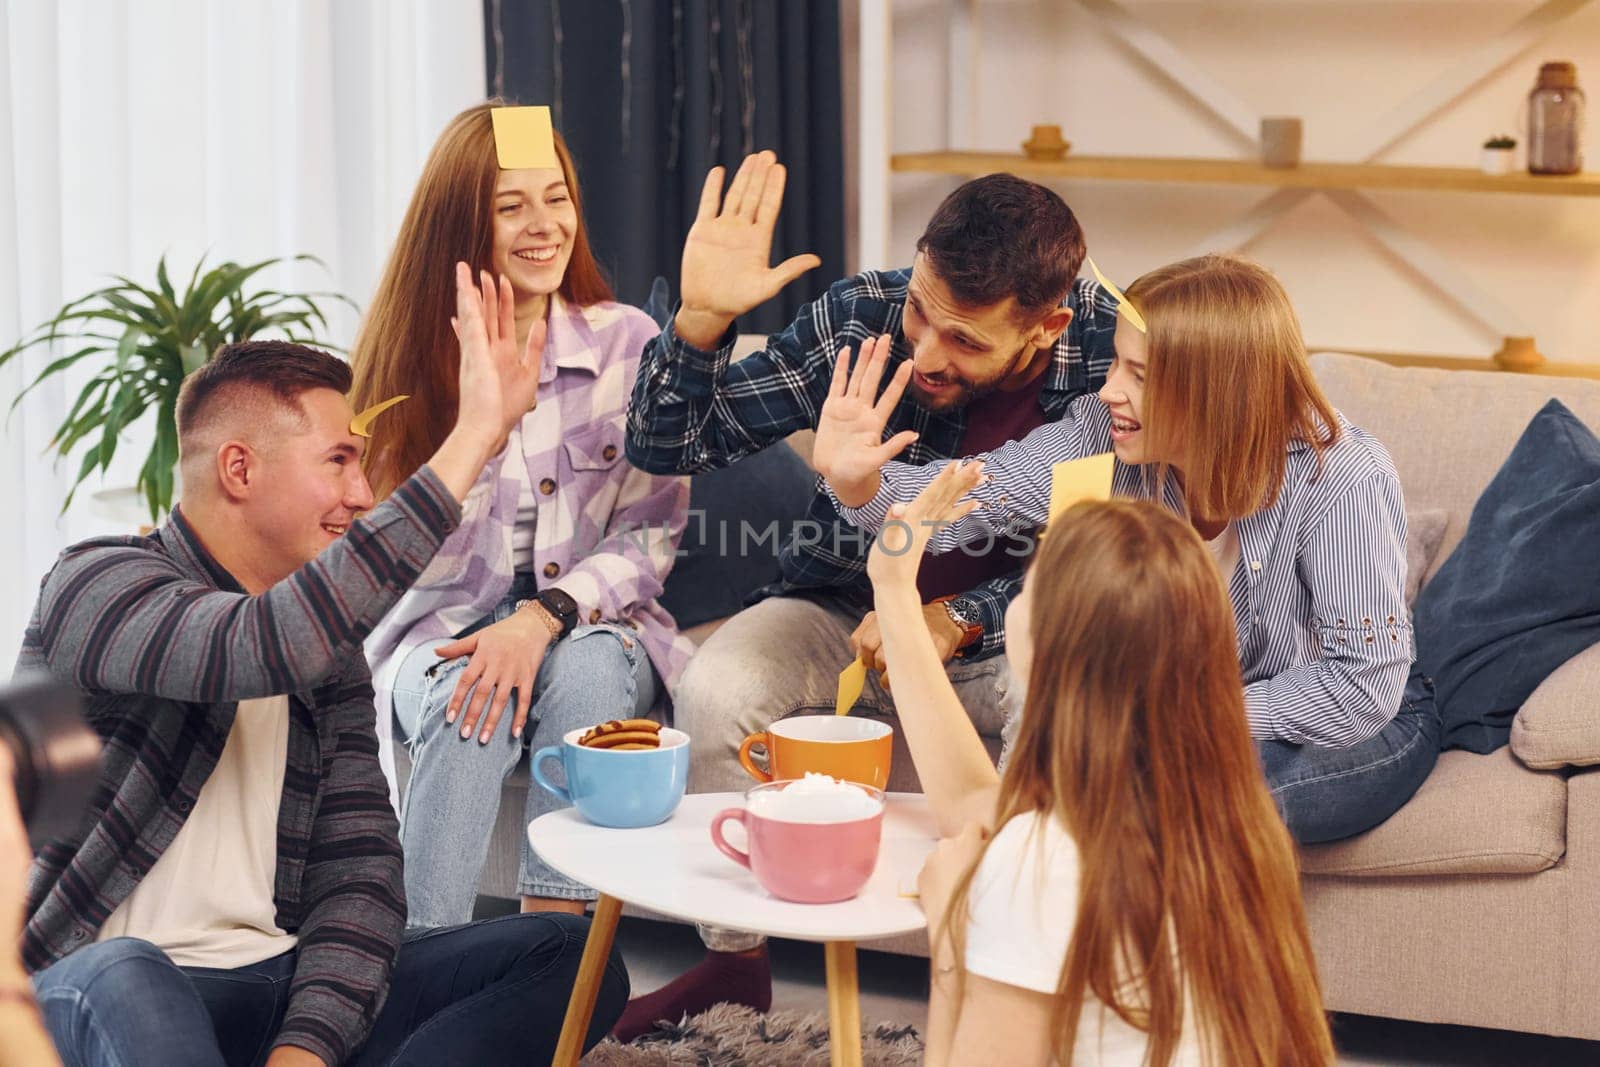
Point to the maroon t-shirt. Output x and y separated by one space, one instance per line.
991 422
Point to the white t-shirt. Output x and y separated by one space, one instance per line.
1021 907
1225 550
207 901
522 529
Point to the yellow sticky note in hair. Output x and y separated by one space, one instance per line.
1126 307
523 137
1080 479
851 681
361 425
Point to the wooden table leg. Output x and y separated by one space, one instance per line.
844 1003
580 1006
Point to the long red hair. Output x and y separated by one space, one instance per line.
1134 736
405 344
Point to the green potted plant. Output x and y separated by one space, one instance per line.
146 341
1499 155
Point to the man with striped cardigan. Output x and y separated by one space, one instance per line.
235 893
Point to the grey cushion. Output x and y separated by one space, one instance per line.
1559 725
1474 815
1424 531
1448 430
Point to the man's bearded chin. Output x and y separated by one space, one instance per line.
971 391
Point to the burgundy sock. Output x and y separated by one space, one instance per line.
721 978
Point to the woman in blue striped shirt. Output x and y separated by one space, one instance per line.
1211 408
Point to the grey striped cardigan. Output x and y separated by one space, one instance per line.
164 643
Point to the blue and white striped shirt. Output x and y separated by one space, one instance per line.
1325 642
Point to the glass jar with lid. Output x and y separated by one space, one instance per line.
1555 121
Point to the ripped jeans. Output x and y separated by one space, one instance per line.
447 816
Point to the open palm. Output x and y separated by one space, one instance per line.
850 447
495 375
725 256
897 553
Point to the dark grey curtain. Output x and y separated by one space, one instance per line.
650 94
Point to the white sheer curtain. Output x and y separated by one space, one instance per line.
241 130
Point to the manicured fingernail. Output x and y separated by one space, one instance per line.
466 732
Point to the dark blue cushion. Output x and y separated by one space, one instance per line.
738 517
1521 594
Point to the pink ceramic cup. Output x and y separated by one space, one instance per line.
807 862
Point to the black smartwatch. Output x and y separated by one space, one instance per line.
559 605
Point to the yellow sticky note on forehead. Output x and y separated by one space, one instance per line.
361 425
1080 479
523 137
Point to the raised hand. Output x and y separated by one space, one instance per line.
725 257
498 382
849 447
897 553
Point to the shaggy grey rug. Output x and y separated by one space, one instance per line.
733 1036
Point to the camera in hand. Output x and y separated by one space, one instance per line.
56 754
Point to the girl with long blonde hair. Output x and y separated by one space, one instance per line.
1125 892
1211 410
539 614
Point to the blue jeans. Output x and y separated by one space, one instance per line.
447 818
492 992
1325 794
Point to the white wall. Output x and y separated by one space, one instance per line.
242 129
1338 65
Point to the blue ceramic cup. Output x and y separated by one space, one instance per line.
638 787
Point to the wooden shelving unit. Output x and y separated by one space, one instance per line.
1247 172
1345 185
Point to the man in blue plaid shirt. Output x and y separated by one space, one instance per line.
990 335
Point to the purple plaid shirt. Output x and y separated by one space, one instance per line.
606 533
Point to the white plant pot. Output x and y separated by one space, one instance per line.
126 507
1497 160
123 505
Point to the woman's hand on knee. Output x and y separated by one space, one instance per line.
505 657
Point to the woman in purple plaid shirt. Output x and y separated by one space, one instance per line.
539 614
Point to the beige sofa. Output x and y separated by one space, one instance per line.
1478 903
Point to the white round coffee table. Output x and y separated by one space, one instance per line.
674 869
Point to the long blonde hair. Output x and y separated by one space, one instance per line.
1134 737
405 344
1227 384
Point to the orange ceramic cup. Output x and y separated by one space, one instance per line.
841 746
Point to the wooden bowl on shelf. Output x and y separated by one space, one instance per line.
1046 143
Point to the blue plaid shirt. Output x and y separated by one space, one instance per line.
695 411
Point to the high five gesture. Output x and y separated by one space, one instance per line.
725 257
850 447
497 382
